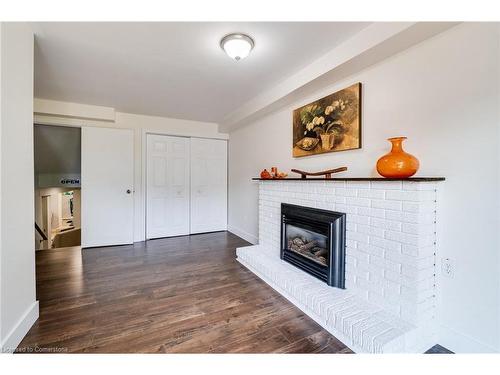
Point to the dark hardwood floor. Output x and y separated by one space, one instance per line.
177 295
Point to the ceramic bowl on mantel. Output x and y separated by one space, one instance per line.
397 163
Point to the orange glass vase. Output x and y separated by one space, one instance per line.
397 163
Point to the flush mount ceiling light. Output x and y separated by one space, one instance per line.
237 46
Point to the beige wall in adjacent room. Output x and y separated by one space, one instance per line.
442 94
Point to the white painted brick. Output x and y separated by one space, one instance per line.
409 271
382 301
401 279
349 279
391 287
387 205
358 219
397 257
411 250
386 185
426 284
325 206
360 256
358 184
419 229
392 294
393 276
394 215
417 295
409 185
385 224
419 207
370 249
421 306
370 193
350 260
389 339
372 212
385 244
426 262
417 274
377 232
365 266
413 196
411 217
335 199
381 262
385 284
352 244
358 237
409 239
364 202
374 264
371 286
337 184
345 209
346 192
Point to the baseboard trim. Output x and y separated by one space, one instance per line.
458 342
254 240
16 335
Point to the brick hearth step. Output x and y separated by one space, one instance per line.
364 327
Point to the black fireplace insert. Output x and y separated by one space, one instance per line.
314 241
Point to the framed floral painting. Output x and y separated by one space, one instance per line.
330 124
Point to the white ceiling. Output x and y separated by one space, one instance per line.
173 69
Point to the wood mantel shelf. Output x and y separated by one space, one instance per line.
411 179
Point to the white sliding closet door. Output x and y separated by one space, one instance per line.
167 180
208 185
107 212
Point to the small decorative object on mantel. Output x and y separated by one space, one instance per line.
329 124
265 175
327 174
397 163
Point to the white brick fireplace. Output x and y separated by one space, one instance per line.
389 303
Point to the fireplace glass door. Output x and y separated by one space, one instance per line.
307 243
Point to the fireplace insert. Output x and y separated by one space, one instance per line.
314 241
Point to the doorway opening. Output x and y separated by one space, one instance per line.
57 155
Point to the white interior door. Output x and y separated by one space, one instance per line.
107 205
167 191
208 185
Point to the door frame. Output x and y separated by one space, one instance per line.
144 167
80 123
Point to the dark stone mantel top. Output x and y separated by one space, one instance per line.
411 179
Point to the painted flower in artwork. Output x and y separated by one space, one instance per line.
323 121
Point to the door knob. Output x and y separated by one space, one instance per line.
128 191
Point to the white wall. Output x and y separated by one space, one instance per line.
74 114
19 308
443 95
